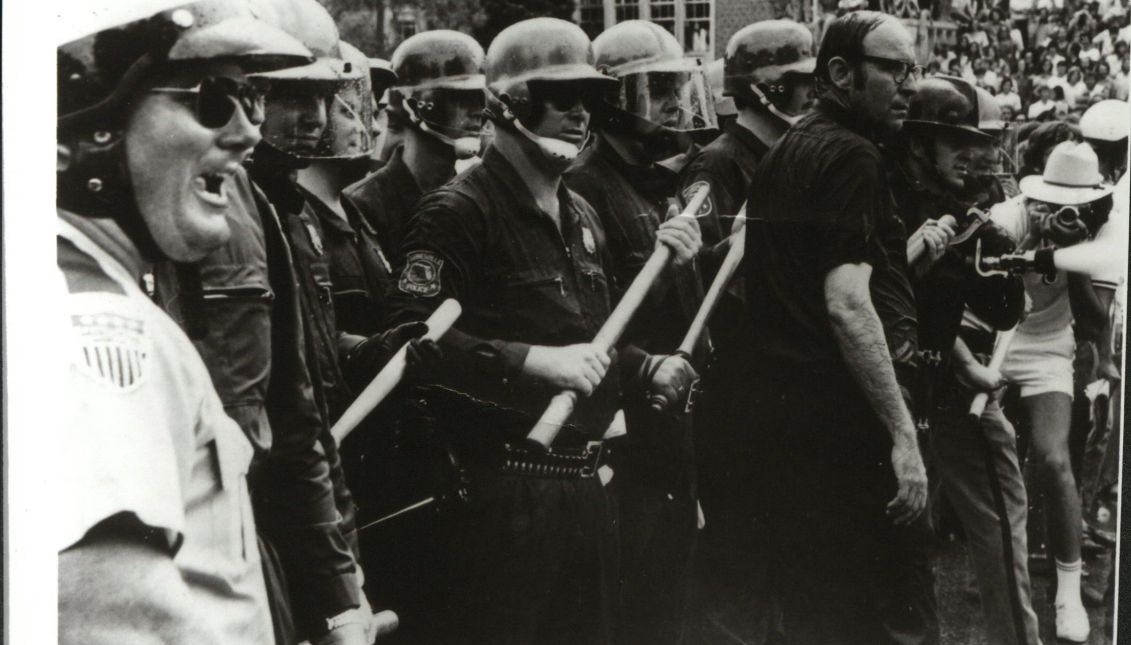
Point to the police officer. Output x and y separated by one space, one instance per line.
768 74
317 113
156 536
440 95
946 132
625 173
534 556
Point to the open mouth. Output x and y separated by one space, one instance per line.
210 188
573 136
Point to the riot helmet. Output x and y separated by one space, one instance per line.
440 87
195 53
770 63
945 105
301 99
535 58
659 91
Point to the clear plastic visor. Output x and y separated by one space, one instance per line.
320 119
454 113
677 98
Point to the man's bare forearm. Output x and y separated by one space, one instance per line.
860 335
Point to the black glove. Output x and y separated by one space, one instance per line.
670 379
365 359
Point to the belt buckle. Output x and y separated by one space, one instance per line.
592 456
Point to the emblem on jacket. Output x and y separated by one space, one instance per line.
690 191
421 275
113 349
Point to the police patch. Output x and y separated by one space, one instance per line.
114 349
690 191
421 275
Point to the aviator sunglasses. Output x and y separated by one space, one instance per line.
215 99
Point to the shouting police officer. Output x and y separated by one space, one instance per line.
155 117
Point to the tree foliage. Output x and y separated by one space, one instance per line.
500 14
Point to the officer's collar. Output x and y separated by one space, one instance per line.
107 235
744 136
514 186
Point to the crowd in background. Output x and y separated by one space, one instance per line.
1043 60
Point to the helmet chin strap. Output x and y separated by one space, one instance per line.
789 119
464 147
554 149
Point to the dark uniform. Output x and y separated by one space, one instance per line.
533 556
386 199
978 470
726 576
253 352
297 212
843 571
655 460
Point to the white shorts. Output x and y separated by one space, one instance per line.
1041 363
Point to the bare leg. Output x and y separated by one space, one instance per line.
1051 414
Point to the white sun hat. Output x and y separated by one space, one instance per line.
1071 176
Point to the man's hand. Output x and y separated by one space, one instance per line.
980 377
351 634
937 234
365 359
911 476
578 367
672 377
681 235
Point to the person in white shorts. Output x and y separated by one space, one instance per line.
1063 207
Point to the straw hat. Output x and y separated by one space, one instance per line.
1071 176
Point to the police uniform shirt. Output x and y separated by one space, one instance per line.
521 281
727 165
820 199
386 199
359 269
632 201
145 433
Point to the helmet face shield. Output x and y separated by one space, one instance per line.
314 119
451 112
676 98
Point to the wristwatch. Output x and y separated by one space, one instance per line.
347 617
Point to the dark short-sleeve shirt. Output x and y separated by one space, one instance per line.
521 281
820 199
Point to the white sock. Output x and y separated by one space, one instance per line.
1068 582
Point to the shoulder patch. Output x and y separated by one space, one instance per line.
113 349
708 206
421 274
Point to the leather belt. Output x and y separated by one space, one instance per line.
555 463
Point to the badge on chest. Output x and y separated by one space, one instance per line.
588 240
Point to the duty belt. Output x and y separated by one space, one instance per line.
558 463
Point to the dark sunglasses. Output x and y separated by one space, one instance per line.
215 99
900 70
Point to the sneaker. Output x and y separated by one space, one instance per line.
1072 623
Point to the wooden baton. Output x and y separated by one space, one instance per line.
710 302
561 406
438 323
1001 347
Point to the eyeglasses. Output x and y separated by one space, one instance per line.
900 70
215 99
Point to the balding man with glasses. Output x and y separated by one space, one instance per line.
830 303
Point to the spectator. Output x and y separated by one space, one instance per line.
1074 86
1044 104
1007 97
1119 83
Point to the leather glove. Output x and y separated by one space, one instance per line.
366 358
670 378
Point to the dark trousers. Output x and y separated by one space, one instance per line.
840 570
655 493
531 561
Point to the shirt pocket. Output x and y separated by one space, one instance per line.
221 539
534 299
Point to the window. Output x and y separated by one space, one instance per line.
627 10
697 27
591 14
663 13
406 22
